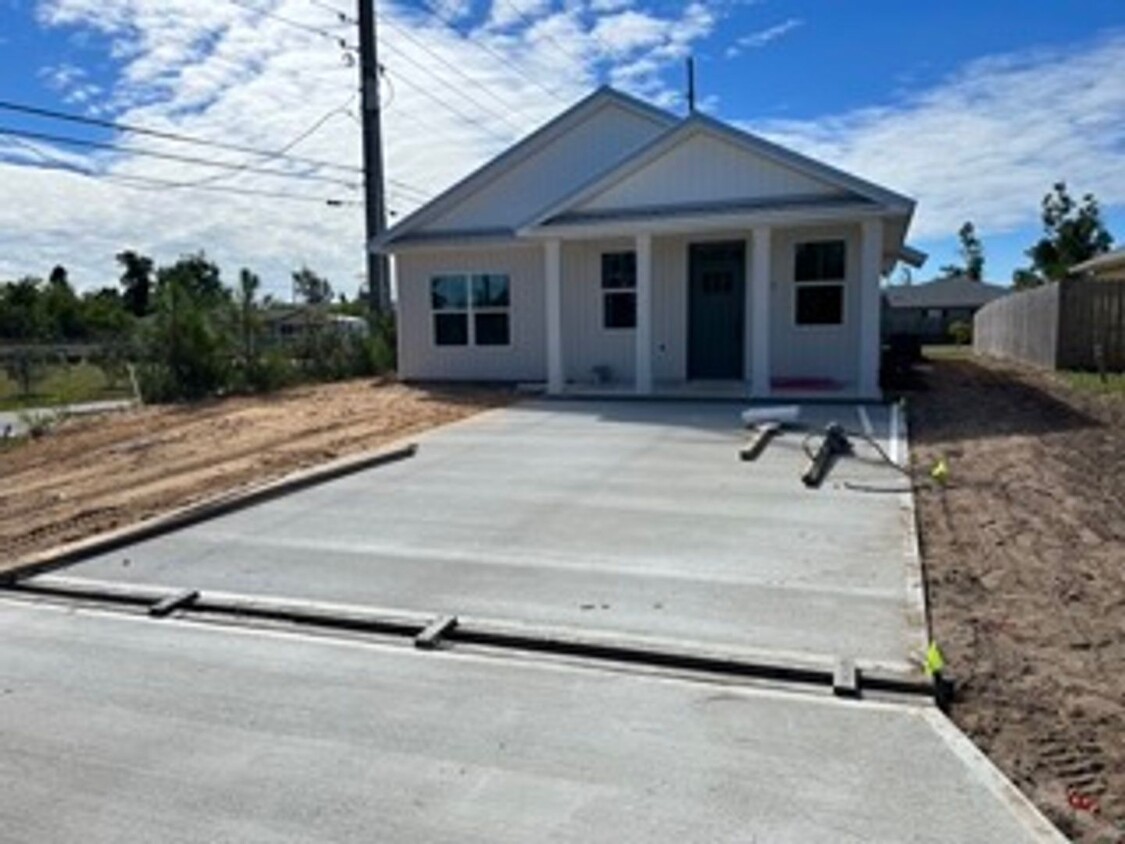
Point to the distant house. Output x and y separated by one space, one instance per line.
1108 267
926 311
624 245
293 323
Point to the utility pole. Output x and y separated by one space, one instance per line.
378 276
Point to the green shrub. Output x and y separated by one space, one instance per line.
273 370
961 332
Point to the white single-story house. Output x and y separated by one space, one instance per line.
623 247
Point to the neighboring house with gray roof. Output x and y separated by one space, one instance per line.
926 311
1109 266
621 245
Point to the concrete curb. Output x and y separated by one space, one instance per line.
202 511
917 596
994 780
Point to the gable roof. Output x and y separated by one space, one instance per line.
1106 263
818 178
521 152
950 292
530 185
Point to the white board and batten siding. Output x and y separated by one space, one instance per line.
590 344
420 358
706 169
814 351
608 137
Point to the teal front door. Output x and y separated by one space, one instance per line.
716 311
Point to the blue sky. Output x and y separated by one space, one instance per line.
973 108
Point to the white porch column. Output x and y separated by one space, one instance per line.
643 337
761 263
552 274
870 308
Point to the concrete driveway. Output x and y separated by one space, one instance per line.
630 518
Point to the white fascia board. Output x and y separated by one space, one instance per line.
577 114
696 223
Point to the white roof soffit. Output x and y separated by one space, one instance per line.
698 123
520 151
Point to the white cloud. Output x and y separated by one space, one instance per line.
759 39
216 70
988 142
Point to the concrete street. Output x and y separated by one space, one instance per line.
121 728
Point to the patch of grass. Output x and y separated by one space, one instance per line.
1091 382
59 385
951 351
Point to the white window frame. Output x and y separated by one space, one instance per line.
470 310
841 283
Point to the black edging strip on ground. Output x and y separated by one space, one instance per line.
512 641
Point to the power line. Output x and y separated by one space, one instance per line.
164 184
21 108
147 183
487 48
457 91
315 30
531 24
405 33
409 192
306 133
168 156
265 154
430 95
344 18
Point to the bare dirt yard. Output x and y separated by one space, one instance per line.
1025 563
92 474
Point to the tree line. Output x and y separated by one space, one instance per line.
1073 232
190 334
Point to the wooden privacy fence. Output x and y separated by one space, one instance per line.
1075 324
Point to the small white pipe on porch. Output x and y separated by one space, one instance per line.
761 263
643 336
870 309
552 273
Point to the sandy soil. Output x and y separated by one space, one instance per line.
1025 561
97 473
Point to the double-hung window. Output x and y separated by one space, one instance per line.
820 269
471 310
619 289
